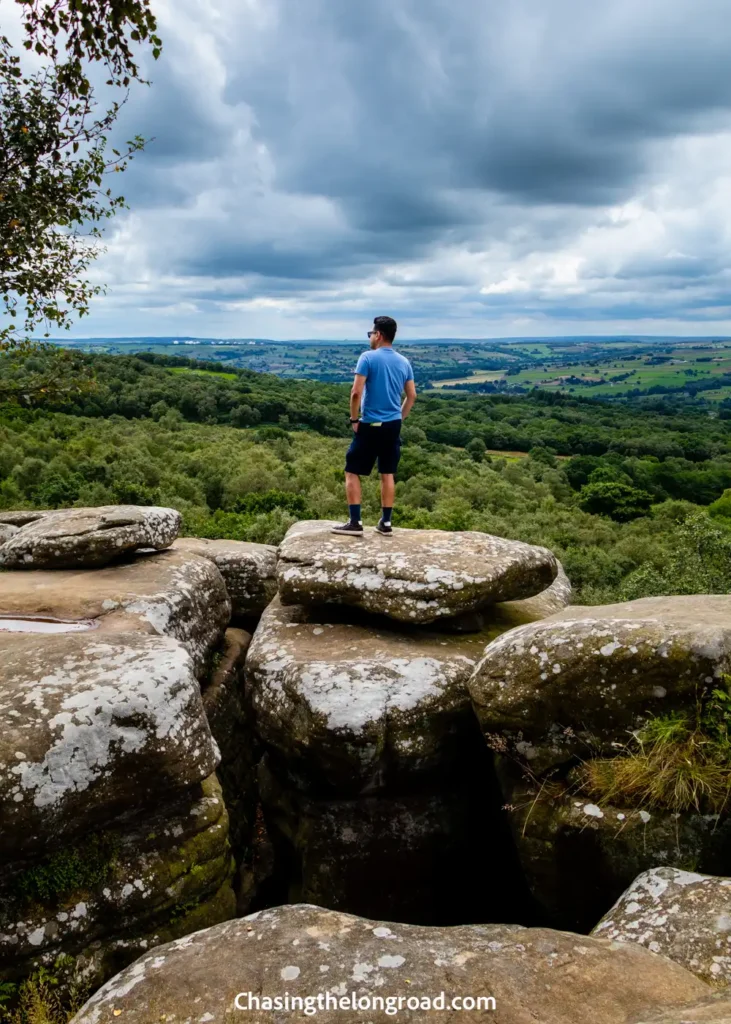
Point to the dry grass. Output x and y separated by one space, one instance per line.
679 762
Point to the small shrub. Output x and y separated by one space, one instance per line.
47 997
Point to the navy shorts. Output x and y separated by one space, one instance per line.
371 443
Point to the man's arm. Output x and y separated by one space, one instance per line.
356 396
410 389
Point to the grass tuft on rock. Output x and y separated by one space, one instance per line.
678 762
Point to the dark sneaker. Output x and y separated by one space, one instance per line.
385 528
349 529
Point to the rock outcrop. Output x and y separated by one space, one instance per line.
353 703
678 914
133 720
414 576
119 699
303 950
248 570
575 686
172 593
578 857
107 898
91 728
584 678
88 537
373 754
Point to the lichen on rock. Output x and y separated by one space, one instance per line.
171 593
248 570
359 704
579 682
91 727
88 537
419 576
682 915
304 950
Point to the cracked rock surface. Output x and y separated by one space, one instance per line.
415 576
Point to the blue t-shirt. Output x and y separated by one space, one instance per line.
386 372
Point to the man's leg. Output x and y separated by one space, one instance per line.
388 494
388 489
353 495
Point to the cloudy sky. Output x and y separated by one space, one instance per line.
474 168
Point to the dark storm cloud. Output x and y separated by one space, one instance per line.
301 146
547 102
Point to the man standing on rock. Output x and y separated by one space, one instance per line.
376 413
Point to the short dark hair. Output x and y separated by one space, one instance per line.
386 325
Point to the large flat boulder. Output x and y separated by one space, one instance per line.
171 593
92 727
584 678
20 518
679 914
531 974
88 537
248 570
359 705
415 576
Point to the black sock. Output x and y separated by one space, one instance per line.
386 514
354 513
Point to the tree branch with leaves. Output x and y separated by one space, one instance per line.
54 166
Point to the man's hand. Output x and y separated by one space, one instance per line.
355 427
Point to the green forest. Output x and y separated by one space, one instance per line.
634 499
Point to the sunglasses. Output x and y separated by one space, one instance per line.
371 333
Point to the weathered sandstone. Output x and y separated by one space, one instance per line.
88 537
532 974
415 576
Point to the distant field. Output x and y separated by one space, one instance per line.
719 395
202 373
533 349
685 364
475 378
